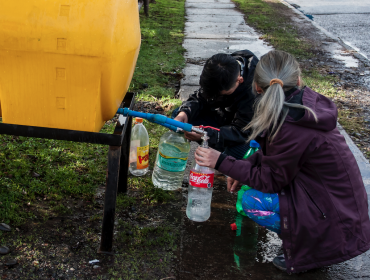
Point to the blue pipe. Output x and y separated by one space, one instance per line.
172 127
158 119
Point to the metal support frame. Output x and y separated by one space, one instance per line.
118 160
144 3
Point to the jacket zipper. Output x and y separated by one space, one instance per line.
318 208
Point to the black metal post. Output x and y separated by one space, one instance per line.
118 161
106 241
146 7
125 157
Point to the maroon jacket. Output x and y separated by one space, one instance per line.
323 201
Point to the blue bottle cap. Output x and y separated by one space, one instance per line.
254 144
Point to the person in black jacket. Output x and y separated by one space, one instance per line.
224 100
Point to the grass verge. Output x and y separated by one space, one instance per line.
49 189
41 172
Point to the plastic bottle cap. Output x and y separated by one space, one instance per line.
234 226
139 120
254 144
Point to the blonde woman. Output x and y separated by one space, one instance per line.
306 183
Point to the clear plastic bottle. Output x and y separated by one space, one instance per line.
170 164
139 149
200 190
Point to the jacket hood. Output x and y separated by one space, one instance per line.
324 108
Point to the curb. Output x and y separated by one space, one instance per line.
355 53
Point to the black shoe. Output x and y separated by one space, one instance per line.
280 252
279 262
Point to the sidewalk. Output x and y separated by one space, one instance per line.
210 250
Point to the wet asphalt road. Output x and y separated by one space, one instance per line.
349 20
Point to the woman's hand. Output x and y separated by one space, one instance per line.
206 157
233 185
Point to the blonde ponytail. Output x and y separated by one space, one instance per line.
276 72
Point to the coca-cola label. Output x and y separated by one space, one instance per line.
201 180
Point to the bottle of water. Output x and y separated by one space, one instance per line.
139 149
170 164
200 190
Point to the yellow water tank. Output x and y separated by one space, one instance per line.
66 63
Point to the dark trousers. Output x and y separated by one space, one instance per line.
237 151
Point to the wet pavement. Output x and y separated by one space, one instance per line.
214 26
211 250
348 20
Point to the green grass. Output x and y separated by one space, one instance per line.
276 28
320 83
36 170
161 52
41 179
41 172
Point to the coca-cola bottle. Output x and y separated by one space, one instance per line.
200 190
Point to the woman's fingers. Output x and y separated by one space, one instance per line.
234 186
230 182
201 151
207 156
202 161
198 158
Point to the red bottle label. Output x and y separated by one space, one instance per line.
201 180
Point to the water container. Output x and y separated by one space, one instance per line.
170 164
200 190
66 64
139 149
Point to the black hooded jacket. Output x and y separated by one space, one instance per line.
231 112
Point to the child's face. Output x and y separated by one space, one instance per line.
239 81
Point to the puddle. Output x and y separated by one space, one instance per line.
342 55
346 58
211 250
245 242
